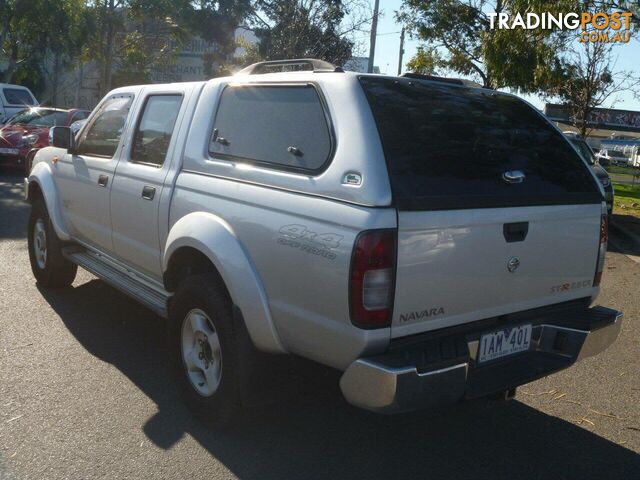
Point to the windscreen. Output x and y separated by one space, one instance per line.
18 96
451 147
39 117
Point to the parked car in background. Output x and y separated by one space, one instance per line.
587 153
13 99
612 157
77 126
28 131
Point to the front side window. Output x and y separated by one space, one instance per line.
101 138
280 126
81 115
18 96
153 135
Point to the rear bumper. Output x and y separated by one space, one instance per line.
443 369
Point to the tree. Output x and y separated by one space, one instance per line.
458 38
308 28
133 35
631 6
217 21
24 42
66 33
590 80
425 61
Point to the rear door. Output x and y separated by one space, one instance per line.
139 180
496 211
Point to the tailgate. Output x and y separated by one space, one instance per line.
459 266
497 212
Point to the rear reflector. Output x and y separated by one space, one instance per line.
373 278
604 238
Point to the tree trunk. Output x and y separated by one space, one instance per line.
12 64
56 72
106 40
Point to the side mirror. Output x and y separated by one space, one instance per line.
61 137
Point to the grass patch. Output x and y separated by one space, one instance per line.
627 199
623 170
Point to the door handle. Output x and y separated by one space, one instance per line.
515 232
103 180
148 192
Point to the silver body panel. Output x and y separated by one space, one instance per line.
453 265
306 281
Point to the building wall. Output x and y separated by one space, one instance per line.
79 86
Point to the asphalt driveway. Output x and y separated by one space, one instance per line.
84 394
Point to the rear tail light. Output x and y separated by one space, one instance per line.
604 238
373 278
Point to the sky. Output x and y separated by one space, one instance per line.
388 45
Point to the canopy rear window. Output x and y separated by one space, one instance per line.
448 147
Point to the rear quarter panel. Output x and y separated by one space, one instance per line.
301 247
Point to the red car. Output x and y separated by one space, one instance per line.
28 131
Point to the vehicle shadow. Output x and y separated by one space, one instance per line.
621 241
13 209
315 434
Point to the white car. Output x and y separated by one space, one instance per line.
13 99
432 240
612 157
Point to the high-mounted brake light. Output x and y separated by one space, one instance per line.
373 268
604 238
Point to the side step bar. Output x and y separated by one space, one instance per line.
120 278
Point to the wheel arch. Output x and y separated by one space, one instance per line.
202 242
41 185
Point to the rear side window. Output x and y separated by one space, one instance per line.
277 126
449 147
153 135
18 96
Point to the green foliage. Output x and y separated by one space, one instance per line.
588 80
30 29
426 61
458 36
303 29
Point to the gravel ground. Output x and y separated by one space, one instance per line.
84 394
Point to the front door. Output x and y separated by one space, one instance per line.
85 176
138 183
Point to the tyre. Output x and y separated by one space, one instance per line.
204 349
28 163
48 265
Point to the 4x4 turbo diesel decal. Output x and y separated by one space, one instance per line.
298 236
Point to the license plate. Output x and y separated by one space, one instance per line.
9 151
504 342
